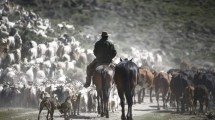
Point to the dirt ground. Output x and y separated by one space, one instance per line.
144 111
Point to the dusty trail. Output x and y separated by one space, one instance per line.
139 111
31 114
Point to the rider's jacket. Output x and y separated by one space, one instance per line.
104 51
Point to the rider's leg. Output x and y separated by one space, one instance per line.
90 69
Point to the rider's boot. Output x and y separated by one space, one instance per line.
90 70
88 82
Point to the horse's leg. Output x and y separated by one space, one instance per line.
130 103
122 103
195 105
134 98
172 100
201 106
151 95
106 108
143 95
102 107
177 103
157 99
191 108
106 102
206 105
98 107
139 96
182 104
168 97
164 99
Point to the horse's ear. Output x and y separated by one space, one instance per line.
120 59
131 59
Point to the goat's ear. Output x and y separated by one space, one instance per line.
120 59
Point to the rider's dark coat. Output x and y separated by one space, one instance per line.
104 51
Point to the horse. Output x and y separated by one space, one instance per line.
126 78
162 84
146 81
178 84
201 94
103 80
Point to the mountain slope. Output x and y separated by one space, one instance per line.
184 29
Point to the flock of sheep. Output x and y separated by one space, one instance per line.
30 69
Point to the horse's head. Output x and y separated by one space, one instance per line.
121 60
126 60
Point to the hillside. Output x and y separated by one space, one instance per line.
184 29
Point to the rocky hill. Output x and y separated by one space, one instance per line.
184 29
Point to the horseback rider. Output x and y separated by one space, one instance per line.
104 51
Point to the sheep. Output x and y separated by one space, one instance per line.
41 50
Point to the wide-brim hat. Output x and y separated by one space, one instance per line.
104 34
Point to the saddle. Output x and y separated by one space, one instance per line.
112 65
92 67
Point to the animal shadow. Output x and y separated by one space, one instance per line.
80 117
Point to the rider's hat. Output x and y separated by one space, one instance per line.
104 34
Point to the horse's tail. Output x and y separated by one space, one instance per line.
128 83
129 86
104 85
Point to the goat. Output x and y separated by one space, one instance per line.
51 104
